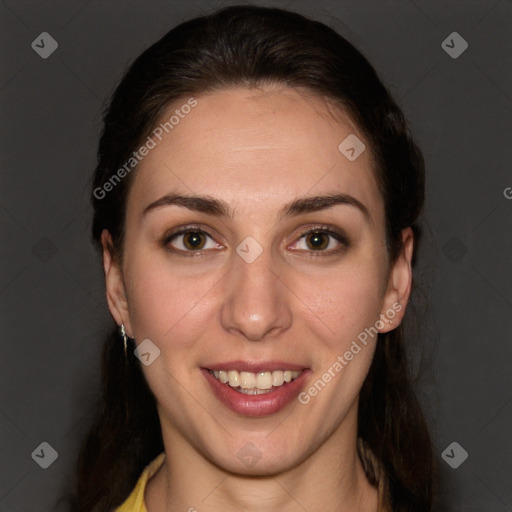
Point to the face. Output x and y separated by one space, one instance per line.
235 273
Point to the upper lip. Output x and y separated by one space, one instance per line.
255 366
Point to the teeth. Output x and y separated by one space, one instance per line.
254 391
247 380
277 378
255 383
234 378
264 380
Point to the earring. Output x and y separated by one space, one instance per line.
125 339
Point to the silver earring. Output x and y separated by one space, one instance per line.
125 339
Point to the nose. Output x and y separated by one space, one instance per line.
257 301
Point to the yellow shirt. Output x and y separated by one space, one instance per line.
135 502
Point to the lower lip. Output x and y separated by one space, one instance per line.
256 405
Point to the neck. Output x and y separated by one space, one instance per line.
331 478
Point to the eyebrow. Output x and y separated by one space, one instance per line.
219 208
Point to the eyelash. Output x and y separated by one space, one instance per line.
320 229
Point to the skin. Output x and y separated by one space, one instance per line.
257 149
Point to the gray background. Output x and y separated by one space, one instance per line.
53 312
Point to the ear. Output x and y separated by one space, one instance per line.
399 285
114 284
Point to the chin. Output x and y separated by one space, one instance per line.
260 458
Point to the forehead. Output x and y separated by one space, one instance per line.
268 146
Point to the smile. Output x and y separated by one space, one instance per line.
255 383
256 389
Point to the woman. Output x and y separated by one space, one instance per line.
256 203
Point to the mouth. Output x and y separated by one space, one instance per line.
259 383
250 389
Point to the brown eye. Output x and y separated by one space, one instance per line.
194 240
189 240
317 241
321 240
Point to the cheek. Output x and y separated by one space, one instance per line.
341 305
165 306
346 310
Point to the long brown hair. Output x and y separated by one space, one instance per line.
249 46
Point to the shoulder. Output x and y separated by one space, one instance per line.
135 501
